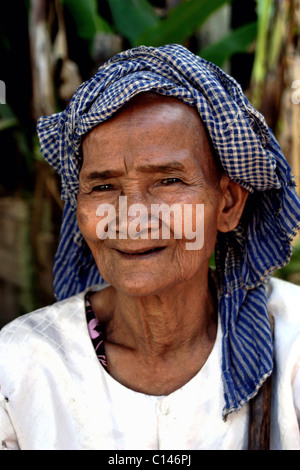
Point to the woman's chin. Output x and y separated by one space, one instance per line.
140 288
140 285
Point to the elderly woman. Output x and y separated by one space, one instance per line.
146 346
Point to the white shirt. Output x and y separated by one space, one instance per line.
58 396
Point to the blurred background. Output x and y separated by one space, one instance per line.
48 47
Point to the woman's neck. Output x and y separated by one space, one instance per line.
155 344
157 325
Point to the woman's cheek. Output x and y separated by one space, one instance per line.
87 221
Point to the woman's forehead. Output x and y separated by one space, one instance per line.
150 124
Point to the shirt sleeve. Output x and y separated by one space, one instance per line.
8 437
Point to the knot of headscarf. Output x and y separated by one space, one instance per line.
249 154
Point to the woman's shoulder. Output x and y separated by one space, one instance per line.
284 301
54 315
31 340
43 314
44 340
41 323
46 325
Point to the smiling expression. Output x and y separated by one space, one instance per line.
154 151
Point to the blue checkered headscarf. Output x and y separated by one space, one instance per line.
250 156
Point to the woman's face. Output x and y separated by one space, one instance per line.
154 151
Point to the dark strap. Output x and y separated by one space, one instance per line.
260 415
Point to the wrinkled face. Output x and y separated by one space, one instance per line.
154 152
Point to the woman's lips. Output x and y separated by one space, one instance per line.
141 253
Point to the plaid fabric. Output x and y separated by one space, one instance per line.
248 153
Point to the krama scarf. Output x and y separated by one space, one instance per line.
248 153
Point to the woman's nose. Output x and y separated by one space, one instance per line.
134 209
136 195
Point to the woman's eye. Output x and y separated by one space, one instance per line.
102 187
171 181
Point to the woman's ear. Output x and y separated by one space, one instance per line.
233 201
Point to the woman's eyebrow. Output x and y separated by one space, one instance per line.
147 168
160 168
102 175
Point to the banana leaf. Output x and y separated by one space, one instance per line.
86 17
182 21
237 41
133 17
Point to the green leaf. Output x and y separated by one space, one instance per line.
6 111
181 22
7 117
7 123
86 17
132 17
237 41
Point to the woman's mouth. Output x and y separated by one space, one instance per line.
141 253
